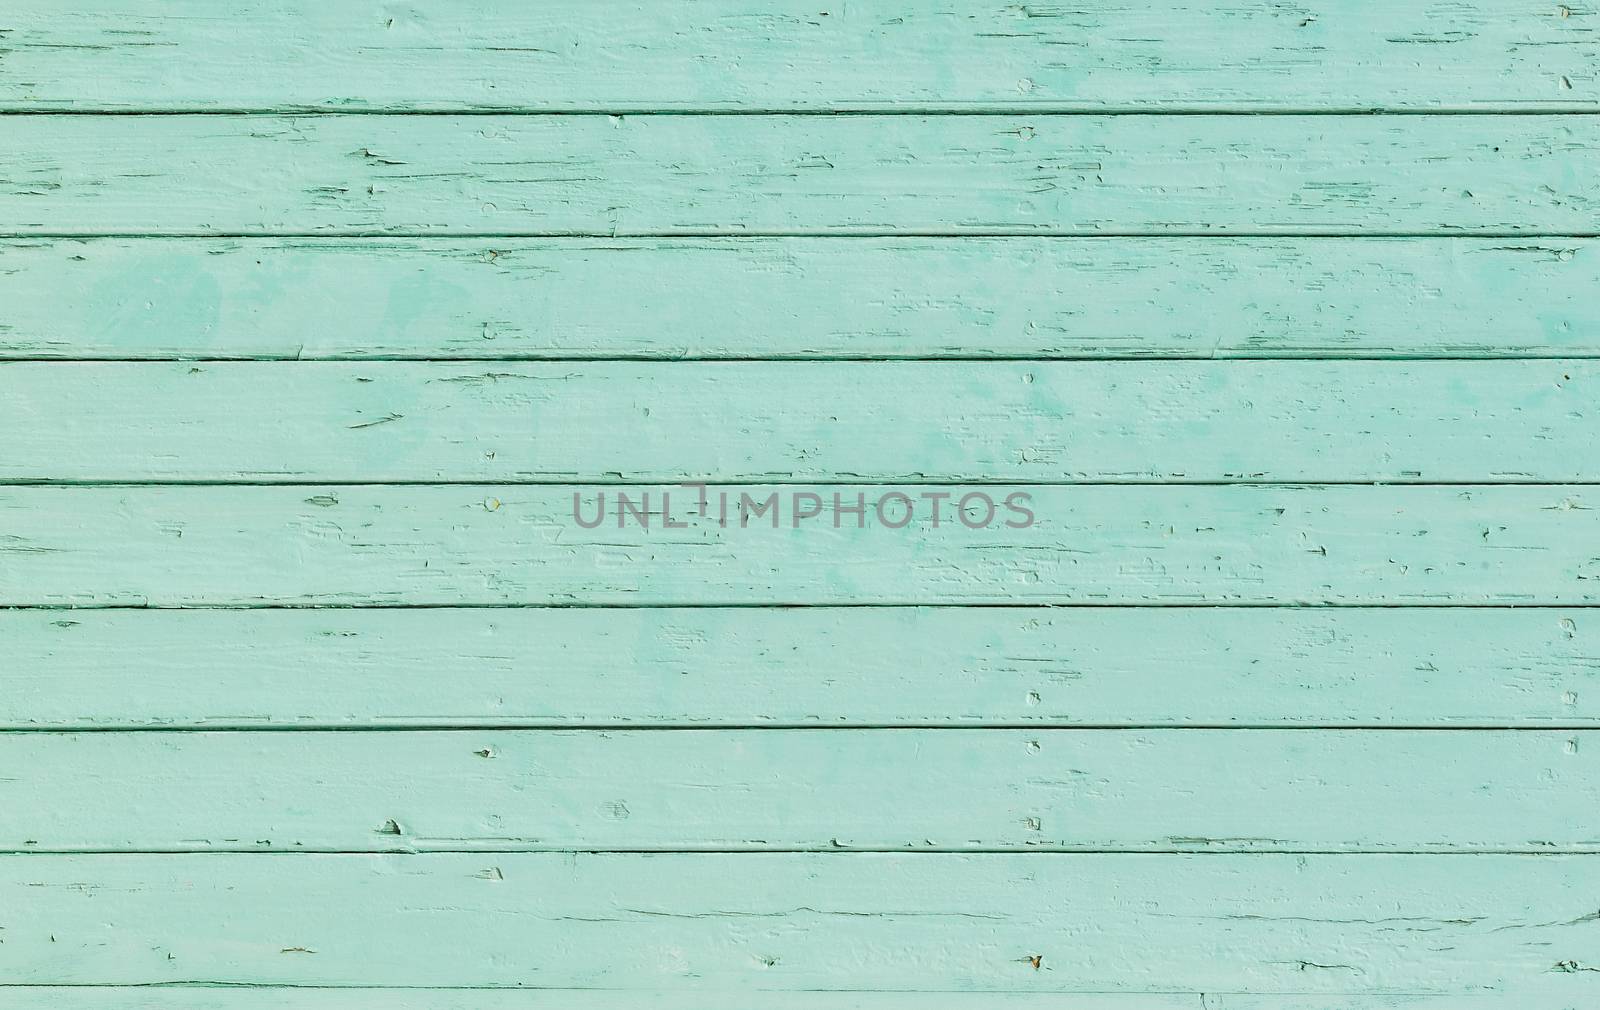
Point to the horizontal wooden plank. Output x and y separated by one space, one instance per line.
1018 422
815 790
672 175
256 997
864 666
740 54
470 545
797 298
1507 925
485 545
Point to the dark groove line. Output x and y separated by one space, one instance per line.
823 606
800 358
839 233
468 726
793 605
942 109
1039 851
757 481
35 239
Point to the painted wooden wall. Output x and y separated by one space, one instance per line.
315 316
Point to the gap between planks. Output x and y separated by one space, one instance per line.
733 232
843 853
896 109
506 726
767 605
799 359
1041 851
764 480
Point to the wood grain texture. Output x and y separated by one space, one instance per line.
486 545
295 422
798 298
1502 925
315 681
179 996
742 55
263 997
865 666
688 175
815 790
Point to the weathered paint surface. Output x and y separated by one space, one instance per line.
812 789
315 694
1357 421
304 299
803 666
467 545
204 996
928 922
745 55
613 176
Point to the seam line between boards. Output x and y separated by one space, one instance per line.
468 726
1037 852
839 234
1578 354
789 605
985 109
757 481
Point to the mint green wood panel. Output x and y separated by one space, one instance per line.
740 54
204 996
798 297
714 922
820 790
180 996
863 666
1271 732
671 175
473 545
733 421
